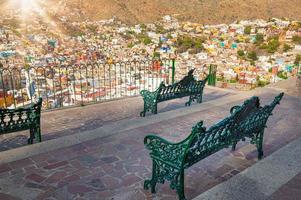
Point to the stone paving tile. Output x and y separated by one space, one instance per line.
290 191
71 121
115 167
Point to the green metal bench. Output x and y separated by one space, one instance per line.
188 86
20 119
171 159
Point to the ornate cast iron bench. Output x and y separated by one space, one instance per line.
171 159
13 120
188 86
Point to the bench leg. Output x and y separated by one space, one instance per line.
259 144
200 98
234 146
180 188
142 114
152 182
31 136
188 103
38 134
155 109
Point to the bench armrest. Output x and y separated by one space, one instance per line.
147 95
234 108
172 153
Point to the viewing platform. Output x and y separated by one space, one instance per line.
97 151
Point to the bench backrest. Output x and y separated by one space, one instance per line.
223 134
256 121
188 85
21 118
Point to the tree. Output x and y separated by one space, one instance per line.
247 30
252 55
298 59
259 38
296 39
147 41
156 55
130 45
282 74
143 26
287 47
240 53
273 45
187 42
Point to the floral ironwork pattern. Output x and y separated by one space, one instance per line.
171 159
188 86
20 119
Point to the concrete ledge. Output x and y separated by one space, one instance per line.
115 128
261 180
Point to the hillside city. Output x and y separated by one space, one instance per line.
247 53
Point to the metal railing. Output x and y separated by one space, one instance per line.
73 85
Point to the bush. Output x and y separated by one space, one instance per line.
297 59
282 74
287 47
130 45
296 39
252 55
273 45
186 42
156 55
145 39
240 53
247 30
259 38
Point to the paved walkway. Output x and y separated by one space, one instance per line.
114 167
262 180
65 122
289 191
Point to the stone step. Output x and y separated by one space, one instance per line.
262 179
116 127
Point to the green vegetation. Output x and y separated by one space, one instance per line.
270 70
297 39
261 83
186 42
169 36
247 30
17 33
130 45
160 29
143 26
92 28
272 45
240 53
252 55
130 32
287 48
156 55
282 74
259 38
143 38
298 59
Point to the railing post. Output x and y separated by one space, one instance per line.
173 70
212 75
